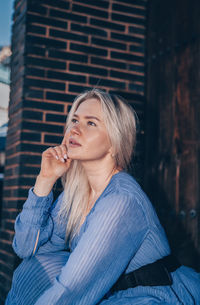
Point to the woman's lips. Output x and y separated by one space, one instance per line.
73 143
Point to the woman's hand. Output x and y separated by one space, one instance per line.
54 164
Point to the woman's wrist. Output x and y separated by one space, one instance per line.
43 185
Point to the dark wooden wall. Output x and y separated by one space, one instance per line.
173 121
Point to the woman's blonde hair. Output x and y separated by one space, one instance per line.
120 121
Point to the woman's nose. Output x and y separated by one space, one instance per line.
75 129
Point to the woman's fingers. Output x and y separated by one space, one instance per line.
52 151
59 155
54 162
64 151
59 152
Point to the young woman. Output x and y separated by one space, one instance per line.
101 241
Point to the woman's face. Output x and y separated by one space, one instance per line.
86 137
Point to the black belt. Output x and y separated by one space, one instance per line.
154 274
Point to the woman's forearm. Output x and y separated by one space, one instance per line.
43 185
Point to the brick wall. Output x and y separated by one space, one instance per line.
61 48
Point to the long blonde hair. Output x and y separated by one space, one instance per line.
120 122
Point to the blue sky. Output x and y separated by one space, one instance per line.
6 8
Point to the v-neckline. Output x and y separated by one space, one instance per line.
82 227
95 203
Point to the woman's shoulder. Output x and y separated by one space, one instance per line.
122 192
123 183
125 187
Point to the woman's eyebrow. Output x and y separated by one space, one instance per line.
88 117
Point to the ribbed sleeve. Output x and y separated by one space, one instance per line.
33 226
102 253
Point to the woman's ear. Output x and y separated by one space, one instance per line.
111 151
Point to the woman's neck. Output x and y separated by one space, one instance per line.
99 175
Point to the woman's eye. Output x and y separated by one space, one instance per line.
74 121
91 123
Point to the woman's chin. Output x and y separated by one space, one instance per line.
73 156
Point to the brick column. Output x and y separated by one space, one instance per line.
61 48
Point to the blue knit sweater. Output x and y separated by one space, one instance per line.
121 233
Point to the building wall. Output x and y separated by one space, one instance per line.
61 48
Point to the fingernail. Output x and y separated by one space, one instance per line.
57 158
65 156
62 160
